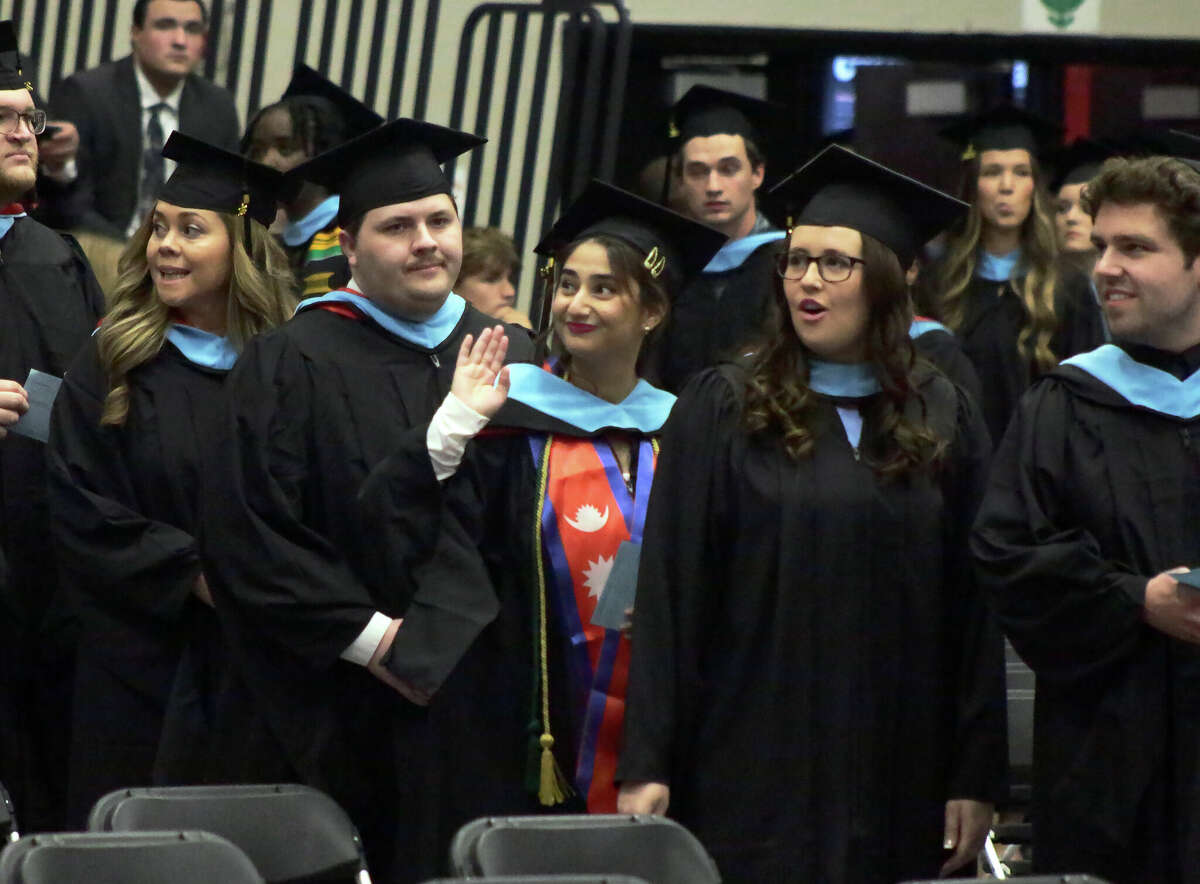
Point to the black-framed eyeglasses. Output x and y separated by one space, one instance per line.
832 266
10 120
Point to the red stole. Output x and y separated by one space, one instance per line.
588 514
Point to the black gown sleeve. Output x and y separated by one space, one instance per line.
437 538
943 350
289 582
678 575
1070 612
980 737
127 560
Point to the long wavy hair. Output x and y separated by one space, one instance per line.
629 269
1037 274
779 402
262 294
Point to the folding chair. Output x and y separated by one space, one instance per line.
8 818
1035 879
125 858
544 879
650 847
290 832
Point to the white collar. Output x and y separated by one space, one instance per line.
148 96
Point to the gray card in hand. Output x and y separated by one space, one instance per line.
620 588
1190 579
41 388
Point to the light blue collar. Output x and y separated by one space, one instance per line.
844 380
297 233
645 409
201 347
923 326
997 268
6 223
734 253
429 334
1141 384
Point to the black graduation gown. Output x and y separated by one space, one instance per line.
713 316
493 500
991 328
942 349
125 504
1091 496
297 572
814 673
49 304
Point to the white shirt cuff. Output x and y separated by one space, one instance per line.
454 424
68 173
363 648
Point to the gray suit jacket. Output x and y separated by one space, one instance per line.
103 103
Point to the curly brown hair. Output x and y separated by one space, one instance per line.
779 401
1171 186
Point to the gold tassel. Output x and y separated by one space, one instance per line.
553 787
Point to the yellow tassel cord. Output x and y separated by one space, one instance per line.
553 787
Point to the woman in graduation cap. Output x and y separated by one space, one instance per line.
1001 288
197 281
816 689
556 487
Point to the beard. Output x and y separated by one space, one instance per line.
15 182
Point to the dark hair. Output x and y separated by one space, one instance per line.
629 269
316 123
753 154
780 403
139 11
1171 186
486 249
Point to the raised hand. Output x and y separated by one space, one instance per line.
480 377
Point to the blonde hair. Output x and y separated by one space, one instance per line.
1038 266
262 294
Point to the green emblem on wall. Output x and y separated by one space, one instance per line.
1062 12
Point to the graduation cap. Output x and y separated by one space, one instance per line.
1080 161
674 247
208 177
397 162
11 75
357 116
705 111
839 188
1003 127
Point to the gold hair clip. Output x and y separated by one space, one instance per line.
672 129
970 153
547 268
655 262
241 210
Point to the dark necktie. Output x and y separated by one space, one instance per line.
152 162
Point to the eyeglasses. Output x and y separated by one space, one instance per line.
10 120
832 266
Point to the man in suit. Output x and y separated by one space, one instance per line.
126 109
